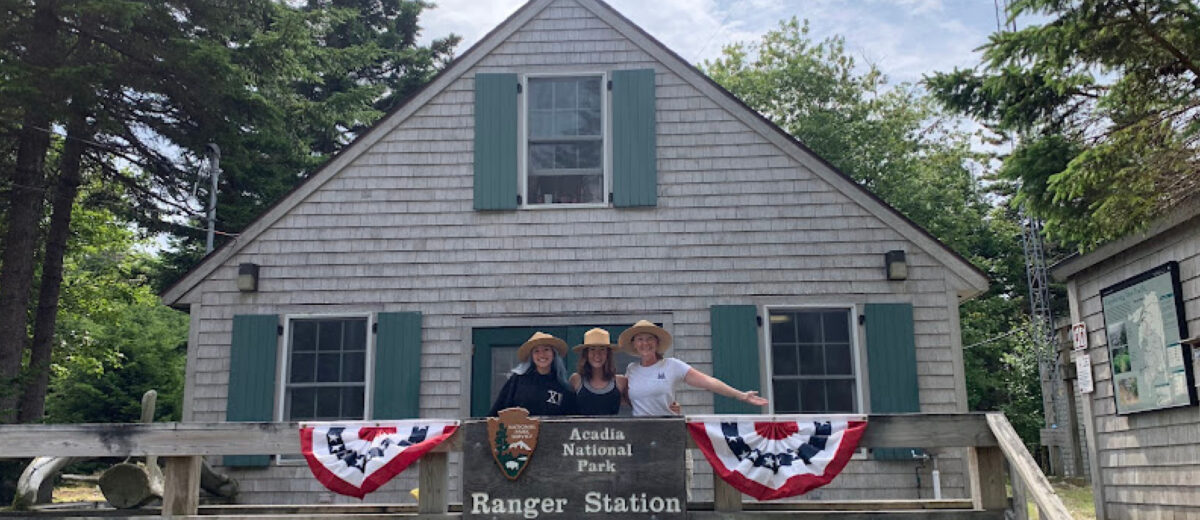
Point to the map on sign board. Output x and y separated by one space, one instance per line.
1144 322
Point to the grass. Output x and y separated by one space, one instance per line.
1076 494
75 491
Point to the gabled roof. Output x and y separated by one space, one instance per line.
973 280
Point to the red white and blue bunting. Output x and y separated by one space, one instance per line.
783 458
356 458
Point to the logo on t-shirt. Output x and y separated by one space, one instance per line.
555 397
662 375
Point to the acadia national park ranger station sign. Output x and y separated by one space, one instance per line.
517 467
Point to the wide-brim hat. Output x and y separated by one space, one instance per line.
643 326
541 338
596 337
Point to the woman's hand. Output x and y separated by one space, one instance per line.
675 408
753 398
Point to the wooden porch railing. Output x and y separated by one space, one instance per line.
991 442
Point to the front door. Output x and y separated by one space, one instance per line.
496 354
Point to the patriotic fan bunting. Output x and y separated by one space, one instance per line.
780 459
356 458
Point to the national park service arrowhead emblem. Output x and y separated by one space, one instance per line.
513 438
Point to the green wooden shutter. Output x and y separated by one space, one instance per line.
397 366
635 175
496 141
735 354
251 396
892 365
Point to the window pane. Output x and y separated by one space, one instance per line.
812 395
837 326
787 396
808 327
541 94
541 156
503 360
352 403
589 122
566 123
328 367
541 123
355 335
589 154
330 335
783 360
302 404
783 328
329 402
566 156
303 369
811 360
304 335
353 367
589 94
565 93
566 189
841 395
837 359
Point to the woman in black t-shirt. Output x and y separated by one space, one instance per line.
598 388
539 383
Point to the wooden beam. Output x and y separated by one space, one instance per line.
1020 499
958 430
991 496
431 479
181 486
178 439
1023 466
849 515
1089 420
725 497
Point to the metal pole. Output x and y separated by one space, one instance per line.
214 173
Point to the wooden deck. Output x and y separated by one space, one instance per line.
996 457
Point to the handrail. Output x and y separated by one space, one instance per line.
1050 506
988 436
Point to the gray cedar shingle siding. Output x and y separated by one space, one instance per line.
738 221
1149 461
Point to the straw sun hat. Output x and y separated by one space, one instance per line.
596 337
643 326
541 338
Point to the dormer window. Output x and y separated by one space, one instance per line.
564 151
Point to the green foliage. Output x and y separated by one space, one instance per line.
896 142
1111 90
114 339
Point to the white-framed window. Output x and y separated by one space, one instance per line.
564 151
813 359
325 368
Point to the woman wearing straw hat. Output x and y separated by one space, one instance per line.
539 383
598 388
651 380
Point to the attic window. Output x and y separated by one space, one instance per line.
565 152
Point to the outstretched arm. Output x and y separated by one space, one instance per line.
699 379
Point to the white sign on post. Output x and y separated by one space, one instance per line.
1079 336
1083 372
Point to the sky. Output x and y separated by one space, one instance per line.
905 39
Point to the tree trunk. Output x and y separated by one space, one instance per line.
26 196
33 399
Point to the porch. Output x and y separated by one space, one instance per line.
996 457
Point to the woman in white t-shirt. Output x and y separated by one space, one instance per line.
652 379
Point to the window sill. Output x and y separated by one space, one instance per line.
566 205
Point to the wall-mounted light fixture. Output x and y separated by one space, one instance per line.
247 278
897 267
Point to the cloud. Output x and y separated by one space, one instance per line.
904 38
